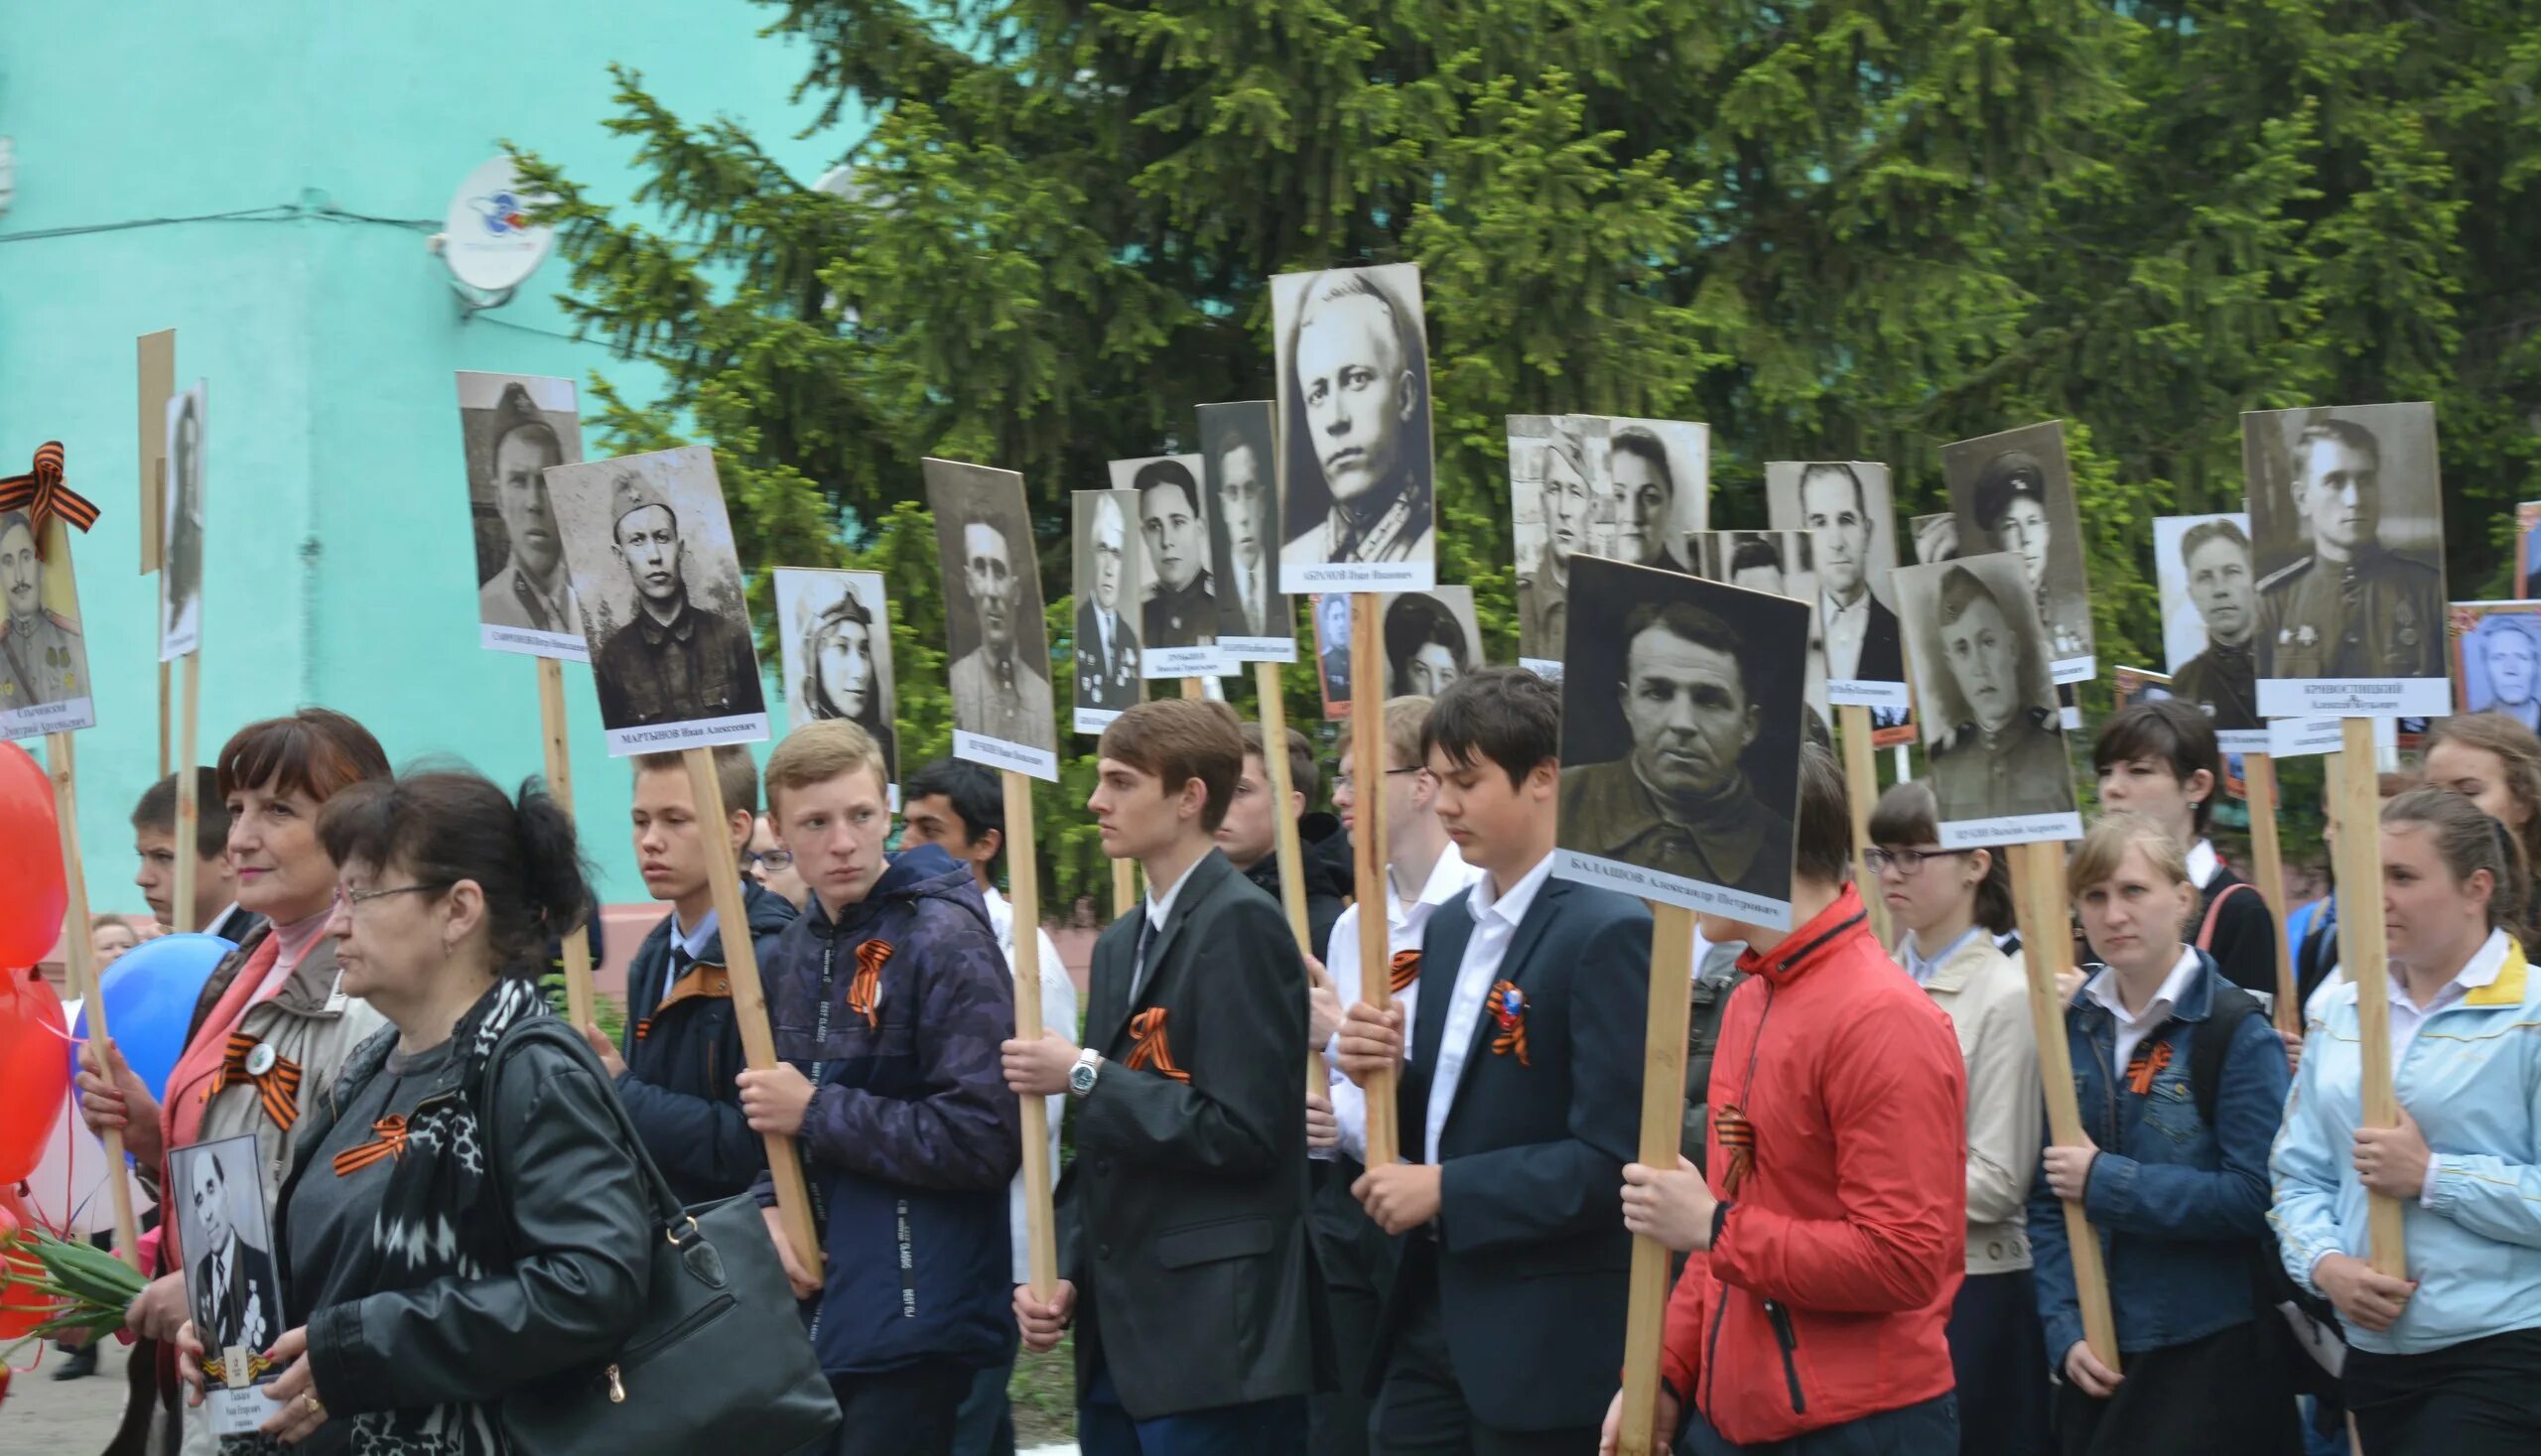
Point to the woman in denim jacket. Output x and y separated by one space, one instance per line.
2177 1205
2447 1358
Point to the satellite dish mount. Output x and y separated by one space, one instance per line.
488 241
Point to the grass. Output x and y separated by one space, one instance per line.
1043 1394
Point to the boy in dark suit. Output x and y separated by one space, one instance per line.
1182 1227
1519 1096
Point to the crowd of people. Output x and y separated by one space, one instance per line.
1871 1214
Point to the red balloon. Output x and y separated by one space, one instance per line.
21 1307
35 1074
32 896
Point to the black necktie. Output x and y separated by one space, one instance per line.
1146 941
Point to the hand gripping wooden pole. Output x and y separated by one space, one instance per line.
579 995
181 909
1663 1124
80 951
2356 808
1368 856
2047 952
749 998
1291 861
2267 861
1861 791
1024 895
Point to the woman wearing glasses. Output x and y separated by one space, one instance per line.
1948 905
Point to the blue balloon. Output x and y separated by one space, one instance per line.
149 993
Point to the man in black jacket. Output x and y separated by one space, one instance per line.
1250 835
1182 1248
1520 1099
682 1048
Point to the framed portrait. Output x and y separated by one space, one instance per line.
834 649
2527 546
1111 578
1931 538
513 427
1783 563
1358 495
1660 472
1562 507
1331 614
1430 639
181 533
1843 507
2496 659
2347 519
1680 734
1994 741
1237 483
1178 597
1004 713
2129 685
657 579
2013 494
44 652
233 1284
2209 581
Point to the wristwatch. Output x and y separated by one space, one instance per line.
1089 1062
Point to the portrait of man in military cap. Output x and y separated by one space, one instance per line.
834 647
1110 573
1681 739
1178 611
1255 620
1432 640
43 659
2209 585
1981 682
658 582
514 429
2348 523
1354 405
1332 652
2499 644
1003 711
2013 492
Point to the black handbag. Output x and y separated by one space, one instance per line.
718 1351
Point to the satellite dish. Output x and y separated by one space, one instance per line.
487 241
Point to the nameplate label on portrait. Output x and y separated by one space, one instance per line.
1258 649
2011 829
2073 669
700 732
1204 661
2355 697
35 720
531 643
1652 884
1005 753
1868 693
1093 719
241 1411
1299 579
2300 738
2248 740
1548 668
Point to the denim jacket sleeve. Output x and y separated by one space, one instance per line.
2060 1309
2179 1201
2307 1167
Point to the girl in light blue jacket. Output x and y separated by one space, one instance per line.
2447 1358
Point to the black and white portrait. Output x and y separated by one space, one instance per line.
2210 588
181 559
44 656
834 649
2347 521
658 582
1332 652
2128 686
513 428
1110 577
1783 564
1560 506
2497 659
1431 639
1256 623
1843 507
1004 715
2013 492
1660 472
2527 547
231 1281
1933 538
1994 741
1681 733
1358 508
1178 600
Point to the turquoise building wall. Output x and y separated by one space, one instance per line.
339 557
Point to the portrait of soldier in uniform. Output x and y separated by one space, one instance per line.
1107 646
1430 640
1982 681
1244 520
1181 608
511 444
2339 597
835 645
1332 651
43 658
1552 452
2501 660
2013 492
1354 401
1000 676
2215 580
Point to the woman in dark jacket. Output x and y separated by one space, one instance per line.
447 1236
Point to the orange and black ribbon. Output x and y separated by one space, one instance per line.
1509 1011
41 493
1148 1050
277 1087
2145 1065
1737 1139
387 1141
865 991
1405 971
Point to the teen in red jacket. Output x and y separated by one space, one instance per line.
1827 1246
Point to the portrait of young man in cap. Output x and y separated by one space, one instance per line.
2013 492
43 658
516 428
1354 401
1996 750
2211 619
1000 676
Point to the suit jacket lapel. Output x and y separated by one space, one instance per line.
1197 883
1108 994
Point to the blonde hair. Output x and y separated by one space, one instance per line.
2105 845
815 753
1407 718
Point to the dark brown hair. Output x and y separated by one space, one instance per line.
736 774
1822 839
2517 752
315 751
157 813
443 826
1907 815
2468 840
1179 739
2170 732
1303 777
1506 716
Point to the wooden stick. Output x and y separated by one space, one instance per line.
2356 811
1194 689
181 910
82 956
155 357
1292 869
1125 886
1024 894
1663 1124
2267 859
579 992
166 743
749 997
1861 790
1368 854
2047 951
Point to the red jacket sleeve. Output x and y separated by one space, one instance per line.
1681 1347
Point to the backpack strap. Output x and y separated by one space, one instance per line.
2212 1042
2214 912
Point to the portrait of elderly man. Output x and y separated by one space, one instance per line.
1681 802
1182 611
2215 559
236 1298
1246 511
2010 507
532 589
997 691
1644 488
2509 646
1107 650
1358 409
2351 608
1426 648
1862 640
2003 754
1569 516
42 658
674 661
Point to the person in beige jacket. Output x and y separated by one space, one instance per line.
1947 907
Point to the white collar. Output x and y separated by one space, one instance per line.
2482 969
1510 907
1160 907
1860 606
2202 863
2103 990
1448 878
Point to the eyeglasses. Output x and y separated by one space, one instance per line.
1345 778
355 899
1908 863
772 859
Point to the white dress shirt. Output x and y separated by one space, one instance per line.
1494 925
1160 910
1404 925
2133 1027
1846 626
1058 1013
2202 863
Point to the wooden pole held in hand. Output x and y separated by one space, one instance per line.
1662 1126
1368 856
579 995
1125 886
1291 861
1024 895
2267 861
2047 951
181 908
2355 809
1861 791
749 998
80 951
